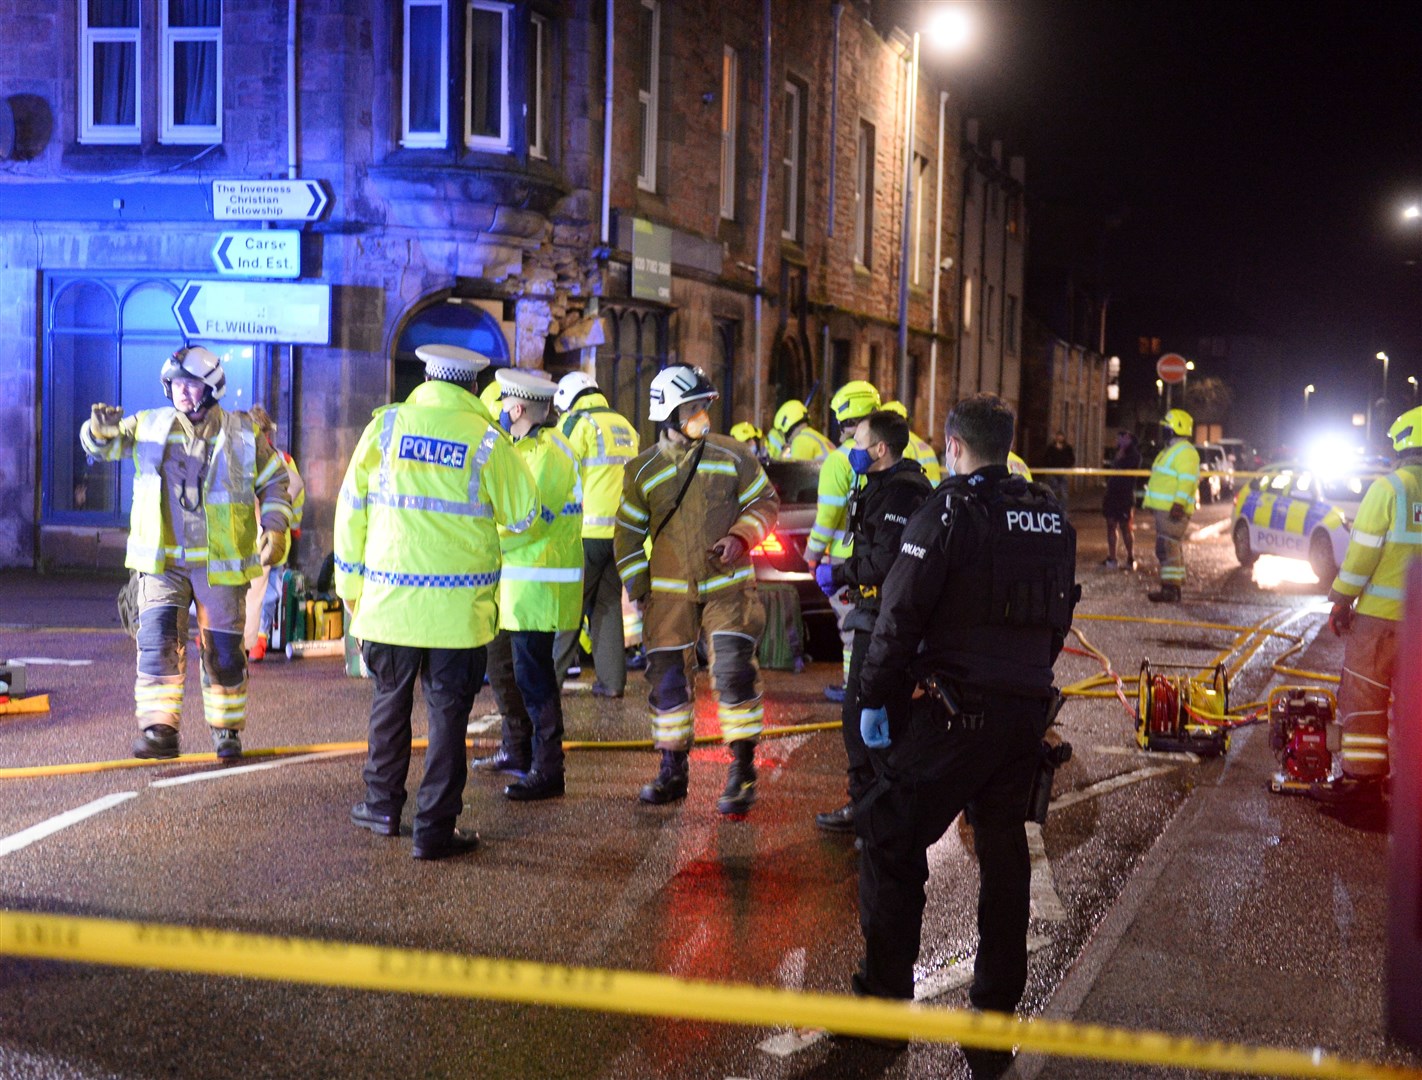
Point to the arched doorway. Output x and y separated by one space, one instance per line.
452 321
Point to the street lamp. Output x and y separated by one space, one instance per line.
1383 357
1307 391
1412 213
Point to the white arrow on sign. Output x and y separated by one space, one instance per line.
267 200
258 253
255 311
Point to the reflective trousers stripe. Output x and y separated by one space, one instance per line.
672 730
740 721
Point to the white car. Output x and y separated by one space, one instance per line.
1299 512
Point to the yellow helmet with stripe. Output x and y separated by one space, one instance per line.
1180 422
854 401
1406 431
896 407
745 431
788 415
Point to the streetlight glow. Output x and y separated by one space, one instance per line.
1189 365
1412 212
951 29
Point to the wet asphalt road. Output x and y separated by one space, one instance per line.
592 879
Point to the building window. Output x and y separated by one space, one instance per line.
424 104
790 160
729 103
192 71
864 195
110 71
1009 328
540 71
723 368
649 39
486 76
635 350
920 182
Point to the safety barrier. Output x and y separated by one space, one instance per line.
205 951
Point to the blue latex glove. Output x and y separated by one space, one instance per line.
874 728
824 578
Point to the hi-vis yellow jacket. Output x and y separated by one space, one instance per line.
808 445
416 542
1174 477
829 534
730 495
604 442
1387 536
541 585
245 480
921 450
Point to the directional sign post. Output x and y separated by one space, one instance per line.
255 311
258 253
1171 368
267 200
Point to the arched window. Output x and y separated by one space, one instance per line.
450 322
635 350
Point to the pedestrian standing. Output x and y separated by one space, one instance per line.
975 612
1059 454
204 483
1118 505
257 637
894 487
417 561
704 502
604 441
1171 494
1385 542
540 593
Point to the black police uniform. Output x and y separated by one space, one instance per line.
878 514
980 600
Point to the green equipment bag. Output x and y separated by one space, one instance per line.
783 645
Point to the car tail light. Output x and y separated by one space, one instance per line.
771 545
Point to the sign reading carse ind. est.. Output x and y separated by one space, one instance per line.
267 200
255 311
258 253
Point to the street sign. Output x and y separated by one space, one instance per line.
1171 368
267 200
258 253
255 311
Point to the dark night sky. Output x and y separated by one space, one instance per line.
1257 154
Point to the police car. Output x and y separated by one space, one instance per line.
1301 512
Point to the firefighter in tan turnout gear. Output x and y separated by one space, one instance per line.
203 479
703 502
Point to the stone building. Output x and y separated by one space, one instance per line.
453 155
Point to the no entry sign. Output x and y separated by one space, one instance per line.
1171 368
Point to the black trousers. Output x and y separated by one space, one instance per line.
861 766
525 684
931 773
450 679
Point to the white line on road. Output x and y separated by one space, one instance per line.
960 973
484 723
26 837
238 770
1210 531
1071 798
1046 904
39 661
1148 755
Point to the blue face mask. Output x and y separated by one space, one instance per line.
859 460
506 421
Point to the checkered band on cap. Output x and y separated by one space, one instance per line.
452 363
527 385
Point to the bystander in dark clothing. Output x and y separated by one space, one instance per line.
1060 454
1119 503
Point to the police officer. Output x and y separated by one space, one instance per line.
919 449
894 487
1386 538
704 502
604 442
540 592
417 560
1170 493
798 440
204 479
975 611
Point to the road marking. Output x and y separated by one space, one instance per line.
238 770
960 972
485 723
1071 798
1046 904
26 837
791 975
1210 531
37 661
1148 755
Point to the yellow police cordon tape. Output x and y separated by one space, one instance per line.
204 951
1083 471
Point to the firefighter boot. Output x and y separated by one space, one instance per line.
740 780
157 741
669 785
1166 594
227 743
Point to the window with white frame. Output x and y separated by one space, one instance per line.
864 195
729 104
540 71
920 183
649 41
191 71
110 71
424 101
791 159
486 75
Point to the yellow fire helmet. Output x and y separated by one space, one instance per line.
1406 431
788 415
1180 422
854 401
745 431
896 407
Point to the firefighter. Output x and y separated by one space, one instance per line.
975 611
919 449
604 442
894 487
799 441
704 502
270 588
1170 492
417 561
540 593
1367 599
1018 467
851 403
204 482
754 438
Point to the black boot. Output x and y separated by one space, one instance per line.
840 821
739 795
669 784
157 741
1166 594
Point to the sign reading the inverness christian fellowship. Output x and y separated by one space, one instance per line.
267 200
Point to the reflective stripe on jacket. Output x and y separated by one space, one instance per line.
541 584
604 442
1386 537
808 445
1174 477
830 533
921 450
416 540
